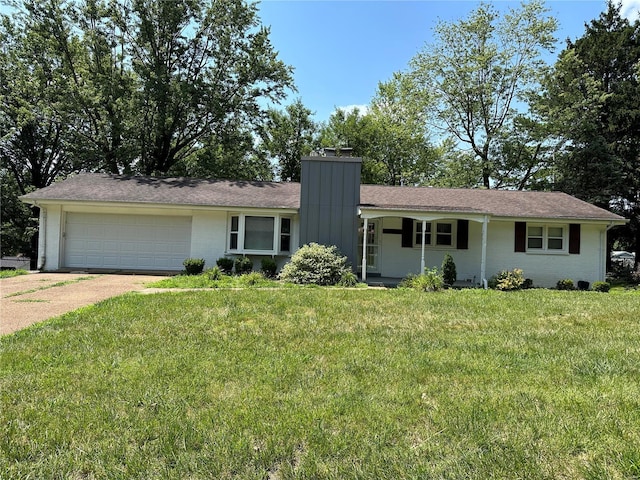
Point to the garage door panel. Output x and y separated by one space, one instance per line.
126 241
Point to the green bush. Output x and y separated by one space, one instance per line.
315 264
348 279
528 283
214 273
242 265
430 281
449 274
225 264
193 266
508 280
601 287
565 284
268 267
252 278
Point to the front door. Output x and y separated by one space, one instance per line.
373 247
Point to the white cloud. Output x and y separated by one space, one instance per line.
630 9
363 109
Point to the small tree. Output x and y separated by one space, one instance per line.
449 273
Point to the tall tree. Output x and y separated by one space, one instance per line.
478 68
398 138
287 136
200 67
592 100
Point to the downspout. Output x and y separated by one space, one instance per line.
364 249
424 232
483 263
42 234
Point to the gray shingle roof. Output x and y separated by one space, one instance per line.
226 193
500 203
96 187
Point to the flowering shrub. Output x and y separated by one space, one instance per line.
316 264
508 280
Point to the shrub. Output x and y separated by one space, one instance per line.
527 284
449 274
242 265
214 273
507 280
225 264
315 264
430 281
268 267
348 279
582 285
601 287
252 278
193 266
565 284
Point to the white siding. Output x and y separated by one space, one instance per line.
208 236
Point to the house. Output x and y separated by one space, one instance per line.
112 222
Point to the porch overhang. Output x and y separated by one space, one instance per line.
420 215
424 216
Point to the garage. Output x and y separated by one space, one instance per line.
131 242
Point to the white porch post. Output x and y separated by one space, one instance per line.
483 264
424 231
364 249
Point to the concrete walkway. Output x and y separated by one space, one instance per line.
28 299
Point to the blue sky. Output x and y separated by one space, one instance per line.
341 49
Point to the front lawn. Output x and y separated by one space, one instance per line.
327 383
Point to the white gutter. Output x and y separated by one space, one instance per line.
483 263
424 232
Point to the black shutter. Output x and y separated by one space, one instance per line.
521 237
574 238
407 233
463 235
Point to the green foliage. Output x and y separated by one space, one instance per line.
242 265
288 136
193 266
225 264
12 273
508 280
565 284
268 267
251 279
214 273
348 279
478 68
315 264
601 287
449 274
429 281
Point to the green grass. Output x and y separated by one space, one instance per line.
254 279
327 383
12 273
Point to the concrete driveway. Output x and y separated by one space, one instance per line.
28 299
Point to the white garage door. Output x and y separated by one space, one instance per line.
143 242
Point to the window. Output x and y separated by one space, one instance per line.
233 237
258 233
253 233
285 234
443 234
546 238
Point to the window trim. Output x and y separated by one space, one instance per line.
546 237
240 233
432 234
